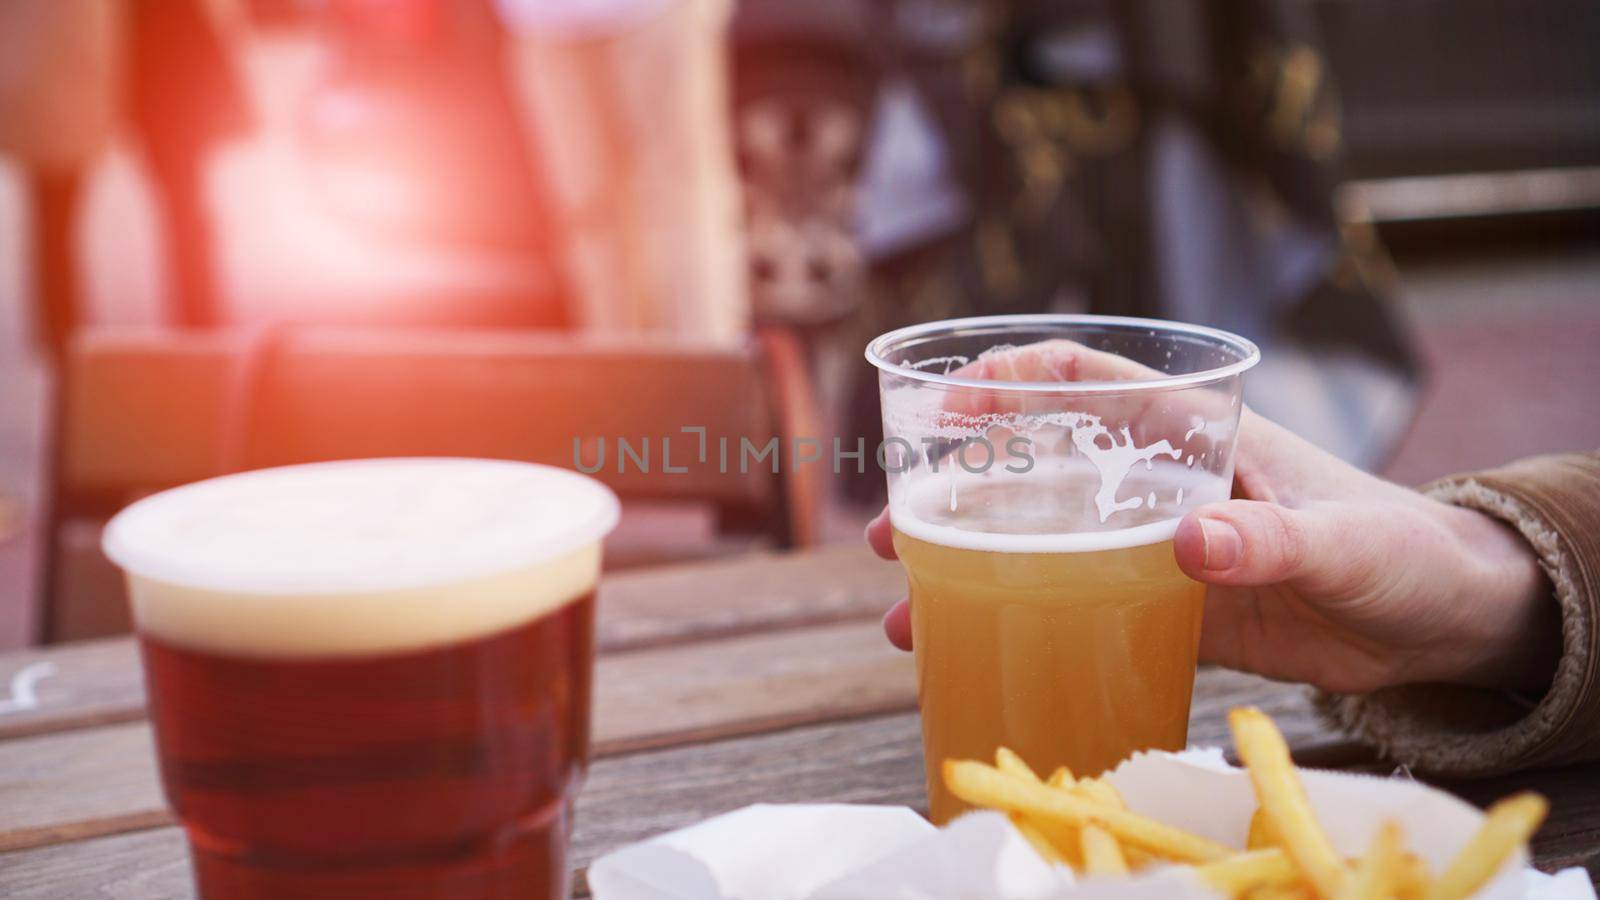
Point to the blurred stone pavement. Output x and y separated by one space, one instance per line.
1513 354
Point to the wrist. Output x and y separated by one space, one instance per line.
1518 624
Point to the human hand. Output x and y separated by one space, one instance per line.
1321 573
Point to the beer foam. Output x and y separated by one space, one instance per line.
1081 542
1054 509
360 557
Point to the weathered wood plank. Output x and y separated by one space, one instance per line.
1571 836
1315 745
696 692
98 682
626 799
756 592
140 865
103 780
78 784
632 797
99 780
72 686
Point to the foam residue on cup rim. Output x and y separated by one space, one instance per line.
1082 542
360 526
1057 507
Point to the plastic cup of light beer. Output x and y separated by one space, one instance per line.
370 678
1038 467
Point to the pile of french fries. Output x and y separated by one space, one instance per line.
1083 823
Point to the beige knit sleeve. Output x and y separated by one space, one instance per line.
1554 502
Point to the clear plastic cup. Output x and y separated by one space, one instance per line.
1038 467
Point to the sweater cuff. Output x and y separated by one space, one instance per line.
1461 731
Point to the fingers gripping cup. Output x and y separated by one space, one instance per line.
371 678
1038 467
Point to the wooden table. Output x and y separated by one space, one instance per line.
718 685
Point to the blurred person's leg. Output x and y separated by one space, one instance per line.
58 92
184 98
179 181
54 197
630 116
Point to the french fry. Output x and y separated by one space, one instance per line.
1034 836
1377 876
1061 840
1101 853
1249 871
982 785
1064 838
1007 761
1508 826
1261 834
1415 877
1102 791
1098 852
1280 793
1282 892
1085 823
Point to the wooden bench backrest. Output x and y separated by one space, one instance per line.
147 410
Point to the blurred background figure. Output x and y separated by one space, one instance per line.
1160 158
628 100
58 92
77 71
242 232
184 99
408 130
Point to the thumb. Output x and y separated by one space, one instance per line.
897 625
1251 543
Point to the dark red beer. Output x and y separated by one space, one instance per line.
371 680
442 772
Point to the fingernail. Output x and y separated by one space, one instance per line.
1223 544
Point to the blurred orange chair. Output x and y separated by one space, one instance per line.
145 410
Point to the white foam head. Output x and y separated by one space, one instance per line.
1001 542
360 557
1053 509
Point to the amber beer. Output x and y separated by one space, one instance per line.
1040 465
371 679
1075 648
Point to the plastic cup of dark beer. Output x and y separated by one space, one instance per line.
371 678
